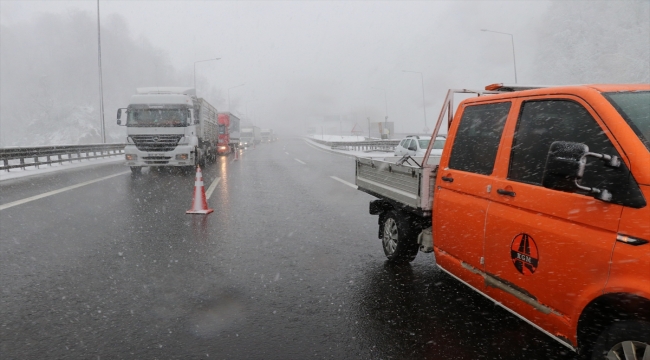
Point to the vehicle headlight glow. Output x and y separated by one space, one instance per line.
131 156
182 156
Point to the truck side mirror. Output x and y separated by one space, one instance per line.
564 165
413 148
119 115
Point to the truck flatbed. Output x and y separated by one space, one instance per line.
407 184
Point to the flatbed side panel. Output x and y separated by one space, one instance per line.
396 182
428 186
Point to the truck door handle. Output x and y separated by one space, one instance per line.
447 179
506 192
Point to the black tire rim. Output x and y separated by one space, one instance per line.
391 236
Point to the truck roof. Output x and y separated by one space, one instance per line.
513 91
599 87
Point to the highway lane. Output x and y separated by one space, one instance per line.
287 267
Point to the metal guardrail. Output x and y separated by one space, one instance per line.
21 157
367 145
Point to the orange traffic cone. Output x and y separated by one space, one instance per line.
199 203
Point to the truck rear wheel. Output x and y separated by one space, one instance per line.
624 340
398 237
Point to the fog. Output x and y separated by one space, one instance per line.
300 61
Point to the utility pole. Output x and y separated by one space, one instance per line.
101 83
512 40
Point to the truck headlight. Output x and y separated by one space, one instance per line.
131 156
182 156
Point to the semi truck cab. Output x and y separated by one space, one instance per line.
164 129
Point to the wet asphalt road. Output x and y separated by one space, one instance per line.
287 267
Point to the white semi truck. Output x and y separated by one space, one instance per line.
250 136
169 126
266 135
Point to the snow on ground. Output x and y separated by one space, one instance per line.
42 169
337 138
363 154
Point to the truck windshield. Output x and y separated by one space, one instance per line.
635 109
157 117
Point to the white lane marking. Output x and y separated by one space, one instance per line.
345 182
212 187
54 192
298 160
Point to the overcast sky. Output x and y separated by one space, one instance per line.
302 59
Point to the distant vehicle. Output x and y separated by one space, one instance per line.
417 146
267 135
539 203
169 126
250 136
229 133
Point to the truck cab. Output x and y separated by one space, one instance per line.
531 210
168 127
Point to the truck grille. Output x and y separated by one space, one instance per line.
156 142
156 160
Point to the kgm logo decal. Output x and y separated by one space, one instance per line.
524 254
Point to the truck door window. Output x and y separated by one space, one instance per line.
477 140
543 122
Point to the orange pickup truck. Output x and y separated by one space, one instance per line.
540 203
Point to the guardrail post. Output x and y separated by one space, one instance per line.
36 161
70 157
22 163
6 162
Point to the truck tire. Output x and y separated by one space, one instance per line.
136 170
623 340
211 153
398 237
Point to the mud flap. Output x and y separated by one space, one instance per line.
425 240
